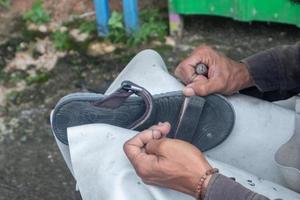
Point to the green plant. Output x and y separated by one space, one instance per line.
62 40
152 27
5 3
117 33
37 14
88 27
39 78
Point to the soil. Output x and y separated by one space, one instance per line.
31 166
60 11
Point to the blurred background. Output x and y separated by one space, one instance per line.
51 48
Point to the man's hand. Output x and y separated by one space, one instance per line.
170 163
225 76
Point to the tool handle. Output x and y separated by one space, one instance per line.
202 69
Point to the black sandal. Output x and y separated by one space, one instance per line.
202 121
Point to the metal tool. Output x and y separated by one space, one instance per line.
200 69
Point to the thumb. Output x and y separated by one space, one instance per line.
202 89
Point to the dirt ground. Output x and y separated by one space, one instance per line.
31 166
60 11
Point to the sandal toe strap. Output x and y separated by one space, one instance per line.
189 118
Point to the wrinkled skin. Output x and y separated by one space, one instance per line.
225 76
170 163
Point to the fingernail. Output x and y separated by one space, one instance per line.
187 91
156 134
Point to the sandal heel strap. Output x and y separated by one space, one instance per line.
117 98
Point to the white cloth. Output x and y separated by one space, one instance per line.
102 171
288 155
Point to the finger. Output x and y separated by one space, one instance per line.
186 69
184 72
156 133
153 147
163 128
134 146
204 89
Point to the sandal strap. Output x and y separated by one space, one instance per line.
127 89
189 118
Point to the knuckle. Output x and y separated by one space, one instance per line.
204 47
181 64
178 70
126 147
181 69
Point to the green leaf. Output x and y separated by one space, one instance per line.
116 20
62 40
39 78
88 27
152 26
37 14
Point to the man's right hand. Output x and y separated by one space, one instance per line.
225 76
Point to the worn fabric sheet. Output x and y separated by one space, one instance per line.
103 172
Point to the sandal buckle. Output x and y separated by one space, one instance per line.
131 87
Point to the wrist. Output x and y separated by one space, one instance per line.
193 177
206 182
246 78
203 183
205 187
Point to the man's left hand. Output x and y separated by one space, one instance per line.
164 162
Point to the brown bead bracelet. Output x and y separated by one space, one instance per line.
199 186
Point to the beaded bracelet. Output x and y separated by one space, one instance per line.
199 186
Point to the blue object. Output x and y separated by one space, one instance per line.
130 10
102 16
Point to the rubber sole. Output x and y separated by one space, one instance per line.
78 109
